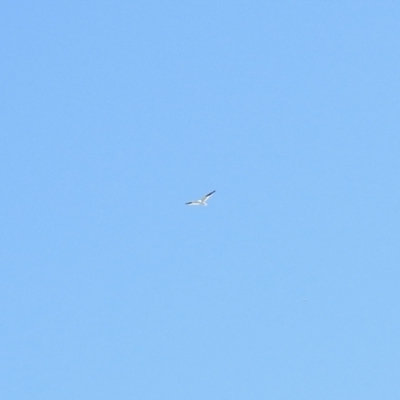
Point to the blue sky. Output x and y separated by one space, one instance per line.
114 114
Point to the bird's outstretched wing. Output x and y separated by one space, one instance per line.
207 196
193 203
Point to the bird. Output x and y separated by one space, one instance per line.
202 201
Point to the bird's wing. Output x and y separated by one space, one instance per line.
207 196
192 203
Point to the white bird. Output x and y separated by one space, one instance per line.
202 201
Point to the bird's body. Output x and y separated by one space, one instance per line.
202 201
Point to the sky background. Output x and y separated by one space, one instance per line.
116 113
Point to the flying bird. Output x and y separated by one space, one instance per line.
202 201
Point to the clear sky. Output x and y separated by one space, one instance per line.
116 113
